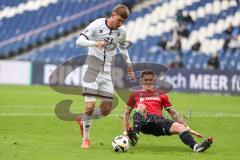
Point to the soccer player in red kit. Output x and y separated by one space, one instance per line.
148 118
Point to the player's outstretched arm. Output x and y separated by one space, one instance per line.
126 57
195 133
126 118
131 73
177 117
86 37
124 52
82 41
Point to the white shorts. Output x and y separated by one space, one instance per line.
96 84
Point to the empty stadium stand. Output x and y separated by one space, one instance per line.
55 24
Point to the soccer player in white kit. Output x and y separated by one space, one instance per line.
102 37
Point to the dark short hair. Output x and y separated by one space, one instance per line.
121 10
147 72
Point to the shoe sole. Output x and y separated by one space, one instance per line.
84 147
208 143
133 139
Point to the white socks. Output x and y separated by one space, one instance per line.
86 127
87 121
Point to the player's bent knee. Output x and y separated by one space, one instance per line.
105 113
106 108
89 110
177 128
180 128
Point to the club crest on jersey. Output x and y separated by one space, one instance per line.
85 89
118 34
100 31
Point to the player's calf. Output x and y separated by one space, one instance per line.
80 123
105 108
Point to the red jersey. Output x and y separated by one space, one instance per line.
154 101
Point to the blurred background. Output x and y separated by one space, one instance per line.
198 40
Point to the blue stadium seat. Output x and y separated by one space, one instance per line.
29 21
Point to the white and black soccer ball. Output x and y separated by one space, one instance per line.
120 144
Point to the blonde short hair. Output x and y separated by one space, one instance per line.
121 10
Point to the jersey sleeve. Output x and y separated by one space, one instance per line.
125 55
123 49
166 103
131 101
123 36
90 30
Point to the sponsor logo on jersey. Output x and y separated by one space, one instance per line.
142 99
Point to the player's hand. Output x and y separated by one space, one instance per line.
131 74
195 133
125 134
100 44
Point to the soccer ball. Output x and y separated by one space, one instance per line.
120 144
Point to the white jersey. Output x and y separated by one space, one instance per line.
96 73
98 30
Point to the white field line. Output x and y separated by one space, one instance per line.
114 114
27 106
200 114
27 114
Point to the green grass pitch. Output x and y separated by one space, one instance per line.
30 130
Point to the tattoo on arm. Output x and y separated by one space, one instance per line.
177 117
126 118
